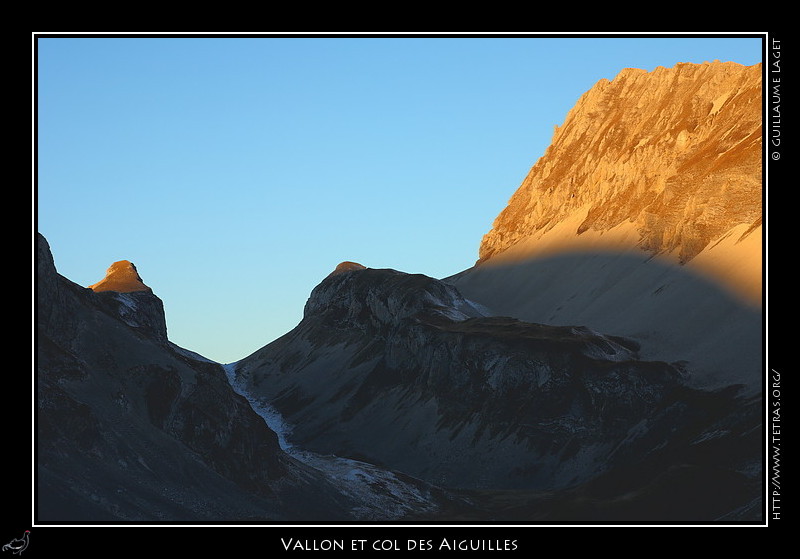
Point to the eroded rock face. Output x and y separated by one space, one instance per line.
132 427
125 295
384 297
401 370
643 219
122 277
667 161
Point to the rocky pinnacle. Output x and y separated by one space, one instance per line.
122 277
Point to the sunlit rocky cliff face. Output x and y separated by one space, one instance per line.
667 162
601 362
121 277
643 218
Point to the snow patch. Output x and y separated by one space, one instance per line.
710 435
128 309
457 309
380 493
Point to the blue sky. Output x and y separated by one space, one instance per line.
236 173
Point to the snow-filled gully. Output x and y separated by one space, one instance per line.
380 493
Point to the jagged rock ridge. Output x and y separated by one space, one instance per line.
131 427
407 373
667 161
643 219
401 370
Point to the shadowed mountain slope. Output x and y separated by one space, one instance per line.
401 370
643 219
132 427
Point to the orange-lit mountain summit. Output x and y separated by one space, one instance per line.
601 362
667 162
121 277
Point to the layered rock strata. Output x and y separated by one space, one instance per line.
667 162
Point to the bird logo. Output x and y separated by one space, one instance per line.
18 545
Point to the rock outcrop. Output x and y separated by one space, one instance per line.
667 162
347 266
121 277
570 375
401 370
643 219
131 427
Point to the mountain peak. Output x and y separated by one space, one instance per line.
667 162
121 277
347 266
